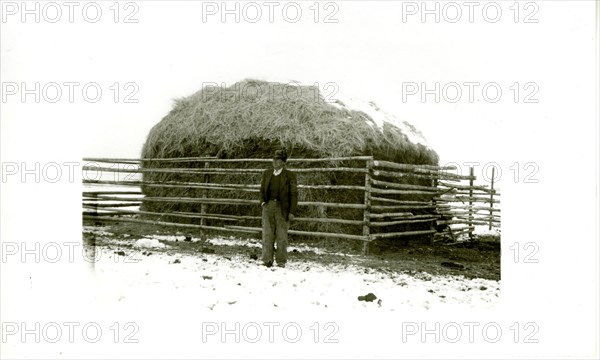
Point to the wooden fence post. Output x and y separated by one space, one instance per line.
204 205
470 221
492 198
367 211
434 182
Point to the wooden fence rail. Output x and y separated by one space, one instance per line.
394 195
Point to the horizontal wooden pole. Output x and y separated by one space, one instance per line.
214 159
217 171
334 205
213 186
119 160
393 165
100 198
185 171
430 175
475 192
465 187
466 199
403 192
398 186
331 221
462 222
228 201
390 215
173 184
412 175
400 222
463 228
96 205
402 202
401 207
161 223
173 214
476 208
399 234
324 234
305 233
94 193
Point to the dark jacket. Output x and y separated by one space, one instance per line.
288 190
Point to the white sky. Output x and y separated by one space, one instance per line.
370 53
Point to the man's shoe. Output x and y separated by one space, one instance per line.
268 264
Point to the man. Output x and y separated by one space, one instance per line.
279 201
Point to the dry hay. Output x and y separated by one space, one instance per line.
253 118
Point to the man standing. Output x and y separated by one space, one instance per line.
279 202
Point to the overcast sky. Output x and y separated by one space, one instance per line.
374 52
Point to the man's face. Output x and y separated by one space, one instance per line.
277 164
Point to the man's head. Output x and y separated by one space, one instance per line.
279 159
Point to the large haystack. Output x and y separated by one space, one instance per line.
253 118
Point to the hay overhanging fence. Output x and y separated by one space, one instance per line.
449 200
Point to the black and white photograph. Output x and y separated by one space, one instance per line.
299 179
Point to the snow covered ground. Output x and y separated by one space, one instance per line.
217 282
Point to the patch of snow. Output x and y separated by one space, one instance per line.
379 117
149 243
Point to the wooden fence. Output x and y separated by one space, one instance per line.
396 196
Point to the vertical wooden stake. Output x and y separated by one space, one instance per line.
434 183
492 198
471 175
204 206
367 212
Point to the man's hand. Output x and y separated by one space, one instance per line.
291 217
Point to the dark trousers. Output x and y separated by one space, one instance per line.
274 230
